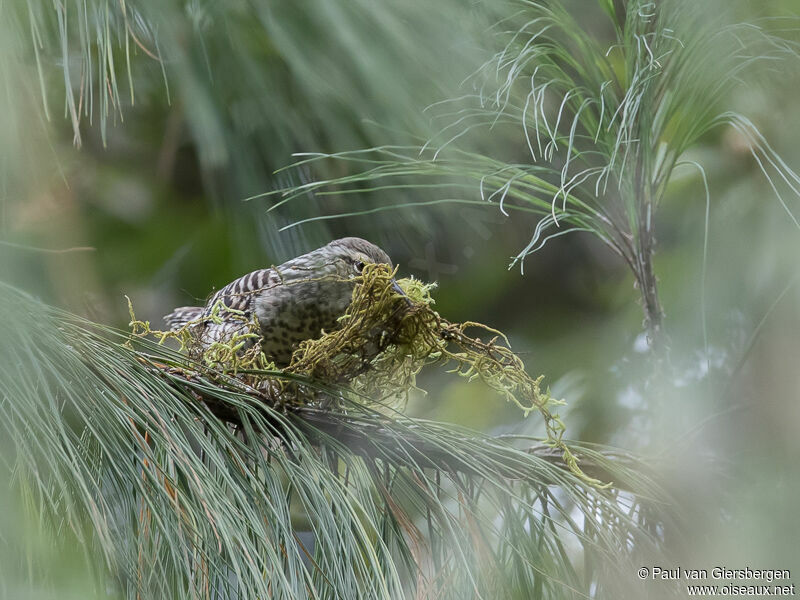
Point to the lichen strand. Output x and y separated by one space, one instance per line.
380 345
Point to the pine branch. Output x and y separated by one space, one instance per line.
400 439
136 436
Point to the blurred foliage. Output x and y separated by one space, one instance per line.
178 102
606 117
157 193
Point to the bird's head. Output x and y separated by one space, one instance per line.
356 253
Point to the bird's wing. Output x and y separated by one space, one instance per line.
183 315
237 295
240 293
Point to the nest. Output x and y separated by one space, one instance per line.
381 343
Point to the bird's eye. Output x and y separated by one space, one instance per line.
359 266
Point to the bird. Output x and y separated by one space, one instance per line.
292 302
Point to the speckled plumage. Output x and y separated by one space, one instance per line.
292 302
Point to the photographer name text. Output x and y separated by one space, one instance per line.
719 573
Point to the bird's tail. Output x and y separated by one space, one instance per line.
181 316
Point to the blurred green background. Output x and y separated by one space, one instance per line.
151 204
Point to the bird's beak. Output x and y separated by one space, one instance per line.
396 287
